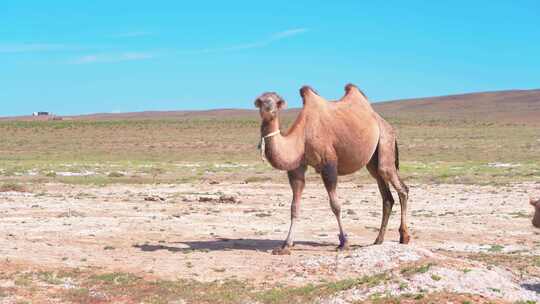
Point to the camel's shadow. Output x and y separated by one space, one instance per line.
224 244
532 286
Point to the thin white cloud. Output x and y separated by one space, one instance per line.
132 34
256 44
109 58
232 47
31 47
289 33
131 56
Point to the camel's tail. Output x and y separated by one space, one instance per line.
397 155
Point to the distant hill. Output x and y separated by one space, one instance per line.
514 106
168 114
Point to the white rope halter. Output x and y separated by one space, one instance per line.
262 145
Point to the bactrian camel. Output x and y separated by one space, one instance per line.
536 217
335 138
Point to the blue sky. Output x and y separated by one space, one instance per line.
73 57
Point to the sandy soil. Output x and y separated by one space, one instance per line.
187 231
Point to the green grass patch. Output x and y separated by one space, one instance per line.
495 248
187 150
411 270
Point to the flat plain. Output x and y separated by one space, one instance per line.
161 207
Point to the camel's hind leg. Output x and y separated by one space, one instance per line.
385 164
388 175
403 192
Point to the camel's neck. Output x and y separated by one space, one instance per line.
284 152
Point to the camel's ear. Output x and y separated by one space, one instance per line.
533 202
257 103
281 104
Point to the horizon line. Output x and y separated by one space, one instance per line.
3 117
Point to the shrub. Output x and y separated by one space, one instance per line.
116 174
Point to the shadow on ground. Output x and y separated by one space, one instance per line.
532 286
227 244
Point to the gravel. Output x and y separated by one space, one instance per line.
446 275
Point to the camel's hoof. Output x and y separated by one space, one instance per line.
281 251
343 242
343 247
404 239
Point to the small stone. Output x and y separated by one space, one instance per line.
281 251
229 199
154 198
205 199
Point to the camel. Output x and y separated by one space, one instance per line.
335 138
536 218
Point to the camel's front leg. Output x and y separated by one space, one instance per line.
297 182
330 176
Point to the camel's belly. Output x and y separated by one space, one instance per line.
355 153
348 157
349 163
350 168
346 163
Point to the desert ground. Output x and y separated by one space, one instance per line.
176 207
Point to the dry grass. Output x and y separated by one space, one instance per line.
196 149
89 287
13 187
449 139
521 264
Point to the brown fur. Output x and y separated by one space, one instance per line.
536 217
335 138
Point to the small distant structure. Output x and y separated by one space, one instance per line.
45 116
41 114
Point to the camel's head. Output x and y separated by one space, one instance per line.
269 105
